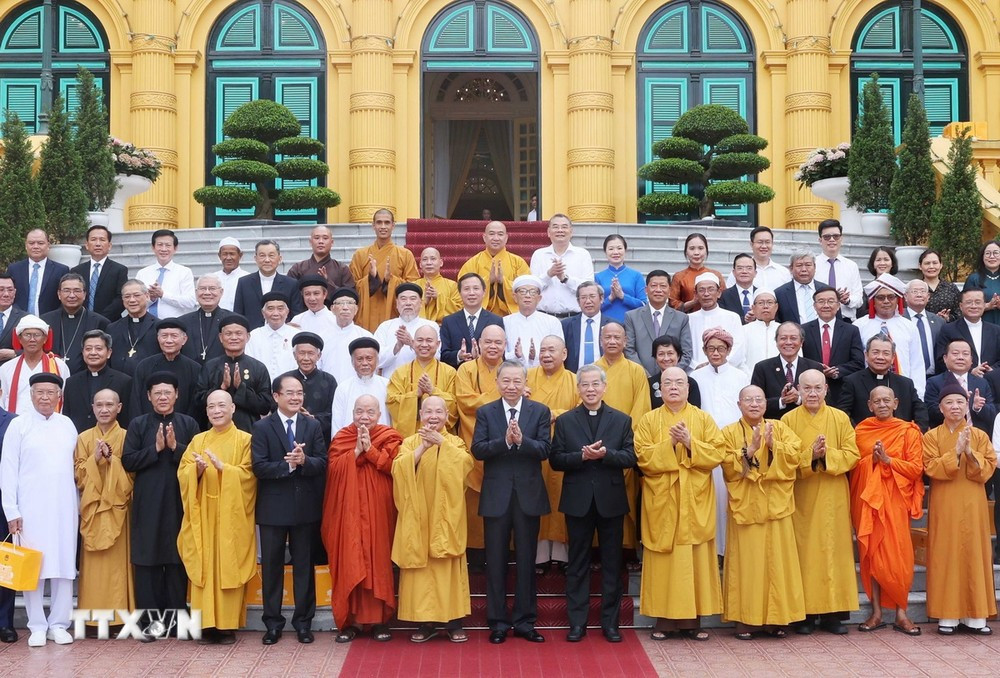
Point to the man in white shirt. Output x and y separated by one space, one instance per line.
526 328
706 289
836 270
395 335
364 361
928 324
561 267
336 358
758 336
317 317
230 254
170 285
271 343
770 274
887 292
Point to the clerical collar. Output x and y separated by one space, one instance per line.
137 320
594 413
98 372
71 315
209 314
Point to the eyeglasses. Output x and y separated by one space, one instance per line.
885 297
716 349
991 253
831 236
753 399
528 292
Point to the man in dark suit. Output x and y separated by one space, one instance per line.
81 386
928 324
578 352
983 337
653 320
289 460
880 354
511 438
739 297
795 296
833 343
135 334
457 343
592 445
202 325
70 322
41 297
958 366
778 377
250 288
104 278
9 317
7 632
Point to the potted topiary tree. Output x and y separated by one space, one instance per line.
957 217
258 131
914 191
872 161
710 150
60 179
21 208
96 162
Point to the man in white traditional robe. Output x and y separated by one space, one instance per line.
336 358
526 328
706 289
758 336
271 343
364 381
230 256
395 335
317 318
33 335
885 316
41 504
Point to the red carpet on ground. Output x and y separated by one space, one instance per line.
593 657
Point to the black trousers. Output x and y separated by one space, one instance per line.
496 534
581 536
160 587
300 539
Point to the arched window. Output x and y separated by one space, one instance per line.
71 38
884 44
690 53
265 49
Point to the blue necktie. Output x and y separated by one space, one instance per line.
746 302
472 327
1 322
159 281
33 290
94 275
923 341
588 343
291 434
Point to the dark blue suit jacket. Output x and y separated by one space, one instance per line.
249 293
960 330
846 352
455 328
983 419
788 305
571 335
732 300
283 497
48 287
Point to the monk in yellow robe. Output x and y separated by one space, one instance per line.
217 541
476 385
628 392
377 270
887 490
761 580
428 484
498 268
415 381
677 446
552 385
440 294
105 495
959 459
822 515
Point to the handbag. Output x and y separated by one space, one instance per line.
19 565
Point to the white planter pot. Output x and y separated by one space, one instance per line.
874 223
99 218
69 255
835 190
129 186
908 256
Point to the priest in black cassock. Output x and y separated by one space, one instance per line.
244 378
133 336
80 388
202 325
154 445
307 347
71 321
170 337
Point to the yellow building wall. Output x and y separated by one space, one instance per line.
803 49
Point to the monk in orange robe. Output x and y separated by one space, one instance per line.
887 489
359 517
377 269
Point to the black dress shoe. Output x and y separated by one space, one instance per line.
305 636
804 628
8 635
531 635
612 635
497 637
835 627
271 636
576 634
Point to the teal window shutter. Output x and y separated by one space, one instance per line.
670 33
22 96
77 33
232 93
299 95
242 31
292 31
667 99
454 33
941 103
25 34
719 33
505 32
937 37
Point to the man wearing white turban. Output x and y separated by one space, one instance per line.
33 337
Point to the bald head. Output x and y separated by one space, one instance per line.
613 340
812 387
434 413
425 343
552 353
367 410
674 387
495 237
492 343
882 402
430 262
752 403
220 409
107 405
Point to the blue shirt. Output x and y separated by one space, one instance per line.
633 285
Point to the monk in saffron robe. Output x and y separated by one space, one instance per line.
628 392
415 381
887 490
552 385
476 385
358 521
377 270
959 459
677 446
105 495
217 541
822 515
761 580
498 268
428 484
441 296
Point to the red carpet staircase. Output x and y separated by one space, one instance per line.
458 240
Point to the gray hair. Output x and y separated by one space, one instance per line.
265 243
139 283
799 255
879 337
591 369
513 363
916 282
589 283
208 276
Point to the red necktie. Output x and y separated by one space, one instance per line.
826 344
789 377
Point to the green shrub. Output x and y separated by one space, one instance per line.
298 146
96 162
227 197
913 191
307 197
872 160
21 207
246 149
60 180
262 119
302 168
957 218
245 171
